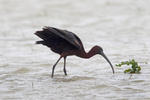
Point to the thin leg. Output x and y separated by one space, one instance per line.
55 66
65 66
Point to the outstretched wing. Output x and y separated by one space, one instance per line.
67 35
58 39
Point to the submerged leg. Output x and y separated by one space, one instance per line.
55 66
65 66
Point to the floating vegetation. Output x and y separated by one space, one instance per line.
135 68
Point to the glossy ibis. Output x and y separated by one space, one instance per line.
66 43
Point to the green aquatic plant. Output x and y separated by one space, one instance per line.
135 68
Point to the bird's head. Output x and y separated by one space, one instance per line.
99 50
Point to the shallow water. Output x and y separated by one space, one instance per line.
121 27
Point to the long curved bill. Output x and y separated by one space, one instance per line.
108 61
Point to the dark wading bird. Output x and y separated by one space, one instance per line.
66 44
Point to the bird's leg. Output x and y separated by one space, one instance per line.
65 66
55 66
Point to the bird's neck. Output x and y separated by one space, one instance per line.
89 54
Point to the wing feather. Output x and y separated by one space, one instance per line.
59 40
68 36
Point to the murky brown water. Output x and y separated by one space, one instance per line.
121 27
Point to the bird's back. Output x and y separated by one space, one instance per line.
59 40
